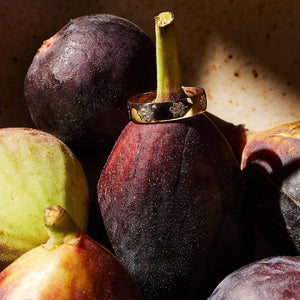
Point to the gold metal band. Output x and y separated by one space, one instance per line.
142 109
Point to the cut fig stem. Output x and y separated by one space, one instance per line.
171 101
169 87
59 226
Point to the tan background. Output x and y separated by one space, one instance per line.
245 53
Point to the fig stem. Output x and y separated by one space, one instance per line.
59 225
169 87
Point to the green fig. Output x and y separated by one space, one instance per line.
171 192
37 170
71 265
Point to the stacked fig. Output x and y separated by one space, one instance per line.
171 192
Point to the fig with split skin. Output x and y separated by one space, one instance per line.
37 170
78 83
276 278
271 163
70 265
171 192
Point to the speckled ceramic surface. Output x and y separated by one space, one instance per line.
244 53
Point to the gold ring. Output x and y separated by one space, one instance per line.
142 108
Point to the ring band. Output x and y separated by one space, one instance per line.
142 109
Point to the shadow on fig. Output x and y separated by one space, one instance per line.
271 194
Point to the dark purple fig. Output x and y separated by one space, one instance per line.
171 193
79 81
71 265
271 164
275 278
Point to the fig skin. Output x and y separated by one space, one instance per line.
171 198
79 81
271 164
78 268
276 278
37 170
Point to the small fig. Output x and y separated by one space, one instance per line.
271 164
78 83
276 278
37 170
171 192
69 266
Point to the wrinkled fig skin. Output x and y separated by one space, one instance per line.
275 278
79 269
170 196
37 170
78 83
271 164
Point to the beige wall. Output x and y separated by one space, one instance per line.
245 53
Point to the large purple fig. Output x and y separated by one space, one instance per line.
79 81
171 194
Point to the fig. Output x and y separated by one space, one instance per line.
37 170
71 265
171 192
271 163
80 79
269 278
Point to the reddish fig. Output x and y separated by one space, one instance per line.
271 164
70 265
276 278
171 192
79 81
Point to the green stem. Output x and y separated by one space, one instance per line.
59 226
169 87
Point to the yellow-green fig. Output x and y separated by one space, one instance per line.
37 171
71 265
